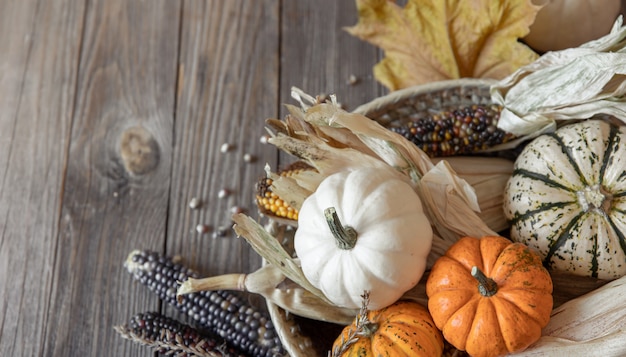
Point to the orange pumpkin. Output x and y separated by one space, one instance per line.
489 296
403 328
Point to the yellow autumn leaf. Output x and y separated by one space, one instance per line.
434 40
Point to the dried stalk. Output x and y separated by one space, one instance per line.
270 282
269 248
355 333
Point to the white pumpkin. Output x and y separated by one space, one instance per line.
567 199
392 237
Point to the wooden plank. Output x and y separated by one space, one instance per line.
320 57
39 49
115 196
227 88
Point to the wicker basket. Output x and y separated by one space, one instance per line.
303 337
420 101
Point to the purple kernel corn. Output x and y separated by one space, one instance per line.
173 338
463 131
222 313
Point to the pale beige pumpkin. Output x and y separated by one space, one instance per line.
363 230
562 24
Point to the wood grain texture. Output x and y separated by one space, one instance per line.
228 83
112 117
117 181
39 50
320 57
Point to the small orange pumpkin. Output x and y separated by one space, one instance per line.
490 296
403 328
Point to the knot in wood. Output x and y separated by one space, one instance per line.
139 151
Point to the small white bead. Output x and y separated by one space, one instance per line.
194 203
352 80
202 228
220 232
237 209
223 193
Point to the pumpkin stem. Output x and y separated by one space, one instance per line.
344 235
369 329
486 286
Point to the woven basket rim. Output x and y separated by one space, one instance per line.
402 94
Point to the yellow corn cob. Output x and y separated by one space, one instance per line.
269 203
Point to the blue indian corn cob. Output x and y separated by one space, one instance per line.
222 313
173 338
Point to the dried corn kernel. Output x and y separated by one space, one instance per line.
269 203
462 131
171 337
222 313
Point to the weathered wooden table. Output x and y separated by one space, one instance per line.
112 118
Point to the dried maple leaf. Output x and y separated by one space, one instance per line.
433 40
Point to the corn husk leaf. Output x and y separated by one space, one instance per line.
388 146
592 315
325 159
295 188
488 176
271 249
576 83
448 200
591 325
611 345
450 204
270 282
428 41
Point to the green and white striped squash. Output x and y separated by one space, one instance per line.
567 199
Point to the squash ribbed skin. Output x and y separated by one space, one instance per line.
393 241
567 199
404 329
507 320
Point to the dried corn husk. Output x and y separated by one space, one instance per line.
575 83
449 201
488 176
280 281
271 283
292 185
591 325
592 315
611 345
268 246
